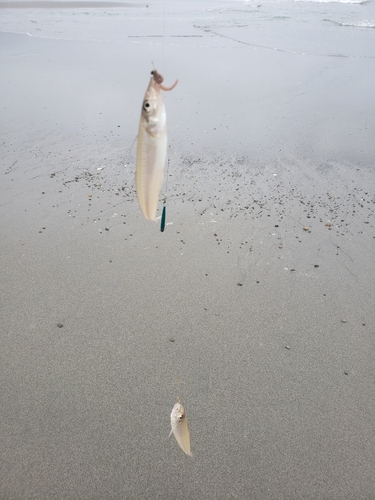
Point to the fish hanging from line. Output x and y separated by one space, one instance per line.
180 428
151 146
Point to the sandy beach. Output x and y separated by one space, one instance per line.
255 307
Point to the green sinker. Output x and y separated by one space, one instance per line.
162 224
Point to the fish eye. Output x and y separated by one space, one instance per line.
146 105
180 418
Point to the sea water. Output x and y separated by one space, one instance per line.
343 28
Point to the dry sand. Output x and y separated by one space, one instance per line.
255 306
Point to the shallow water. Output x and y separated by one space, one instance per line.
344 29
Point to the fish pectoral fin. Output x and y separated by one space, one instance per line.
170 434
169 88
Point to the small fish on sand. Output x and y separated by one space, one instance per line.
180 428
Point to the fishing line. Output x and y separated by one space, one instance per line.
163 51
164 210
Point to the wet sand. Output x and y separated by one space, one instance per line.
64 5
255 307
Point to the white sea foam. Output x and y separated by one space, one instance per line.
354 24
333 1
360 24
